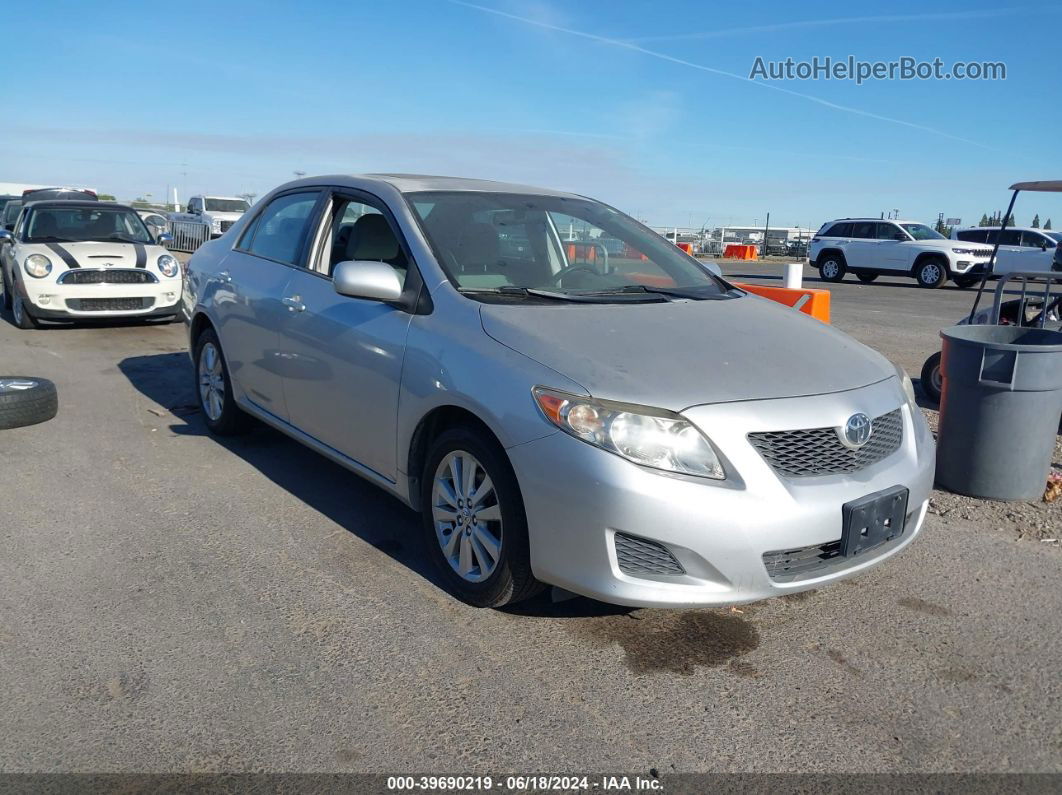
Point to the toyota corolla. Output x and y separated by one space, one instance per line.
564 396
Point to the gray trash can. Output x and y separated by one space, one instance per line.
1000 410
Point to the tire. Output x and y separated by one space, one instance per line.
832 267
930 379
866 278
20 315
213 388
7 295
965 282
26 400
931 273
489 538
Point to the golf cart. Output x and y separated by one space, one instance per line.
1040 308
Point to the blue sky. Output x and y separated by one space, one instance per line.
645 105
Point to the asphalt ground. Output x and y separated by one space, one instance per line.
169 602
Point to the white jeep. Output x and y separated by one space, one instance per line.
870 247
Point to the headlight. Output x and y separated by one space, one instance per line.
215 225
908 387
168 265
37 265
650 437
975 251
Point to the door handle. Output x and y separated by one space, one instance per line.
294 303
225 277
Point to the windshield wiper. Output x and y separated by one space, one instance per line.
578 298
694 293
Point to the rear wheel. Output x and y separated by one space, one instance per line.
474 522
931 273
213 387
866 278
832 267
932 384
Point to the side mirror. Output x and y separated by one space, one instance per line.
899 236
164 239
5 236
376 281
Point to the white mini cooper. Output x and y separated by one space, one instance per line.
86 260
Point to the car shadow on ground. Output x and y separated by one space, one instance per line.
354 504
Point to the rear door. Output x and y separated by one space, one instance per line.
1009 257
343 356
249 292
862 249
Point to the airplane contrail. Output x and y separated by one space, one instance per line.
626 45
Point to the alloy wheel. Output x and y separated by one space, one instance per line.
930 273
467 516
211 382
17 310
830 269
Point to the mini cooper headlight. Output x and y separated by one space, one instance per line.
651 437
37 265
168 265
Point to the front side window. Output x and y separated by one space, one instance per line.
922 232
75 224
1033 240
360 232
497 241
1055 236
280 231
227 205
889 231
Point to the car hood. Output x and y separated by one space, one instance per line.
687 353
947 243
93 254
224 216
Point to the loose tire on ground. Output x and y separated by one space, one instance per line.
866 278
26 400
931 273
832 267
510 579
931 383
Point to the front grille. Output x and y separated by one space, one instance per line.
818 451
640 556
108 276
225 225
108 304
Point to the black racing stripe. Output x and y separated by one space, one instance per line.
141 255
65 255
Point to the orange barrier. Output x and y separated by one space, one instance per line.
687 247
811 302
735 251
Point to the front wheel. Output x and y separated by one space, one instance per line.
965 282
832 268
213 387
866 278
23 319
931 273
932 383
474 522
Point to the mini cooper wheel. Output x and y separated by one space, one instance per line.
474 522
26 400
213 388
7 293
931 380
23 319
832 268
931 273
866 278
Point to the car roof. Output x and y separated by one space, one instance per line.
883 220
95 205
415 183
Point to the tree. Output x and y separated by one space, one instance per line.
984 219
1036 221
1047 226
105 197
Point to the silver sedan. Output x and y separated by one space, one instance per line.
565 397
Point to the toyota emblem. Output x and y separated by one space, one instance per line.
856 431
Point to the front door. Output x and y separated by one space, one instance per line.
343 356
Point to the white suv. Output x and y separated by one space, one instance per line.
1021 249
869 247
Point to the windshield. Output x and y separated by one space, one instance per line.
922 232
497 242
227 205
75 224
1056 236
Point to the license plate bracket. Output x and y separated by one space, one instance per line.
872 520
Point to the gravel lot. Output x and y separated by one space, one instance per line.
172 603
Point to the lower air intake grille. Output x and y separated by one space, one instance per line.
818 451
108 304
639 556
798 563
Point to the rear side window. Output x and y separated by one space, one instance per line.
280 231
840 230
1010 237
973 235
864 230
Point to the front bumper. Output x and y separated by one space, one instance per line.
52 301
969 268
578 498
